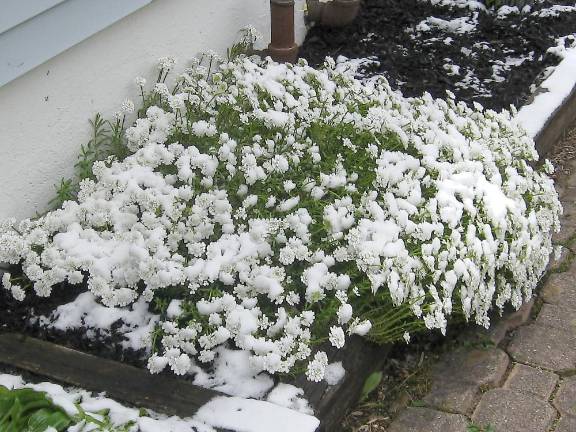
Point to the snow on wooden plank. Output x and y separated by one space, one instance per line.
126 383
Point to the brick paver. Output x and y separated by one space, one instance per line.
483 367
543 346
560 289
566 424
558 316
452 396
534 381
511 411
565 399
424 419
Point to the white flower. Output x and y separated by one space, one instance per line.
289 185
6 283
140 82
181 364
156 363
317 367
17 292
127 106
206 356
406 337
166 63
162 90
360 328
337 338
344 313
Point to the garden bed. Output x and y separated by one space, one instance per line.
67 356
495 57
115 331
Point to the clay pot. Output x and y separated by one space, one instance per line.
335 13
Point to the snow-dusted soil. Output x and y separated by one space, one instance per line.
491 56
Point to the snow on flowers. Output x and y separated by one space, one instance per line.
277 207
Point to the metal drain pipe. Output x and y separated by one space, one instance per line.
282 46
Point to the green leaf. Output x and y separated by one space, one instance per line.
27 410
44 418
371 383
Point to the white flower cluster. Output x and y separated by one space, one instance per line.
269 200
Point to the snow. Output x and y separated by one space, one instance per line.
289 396
557 87
249 415
459 25
554 11
461 4
234 375
335 372
85 312
506 10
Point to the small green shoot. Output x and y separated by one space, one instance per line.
371 384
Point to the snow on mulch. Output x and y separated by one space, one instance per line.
491 56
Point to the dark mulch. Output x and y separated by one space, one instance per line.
21 317
415 62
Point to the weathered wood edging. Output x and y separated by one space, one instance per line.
172 396
125 383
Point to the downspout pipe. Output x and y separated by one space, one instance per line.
282 46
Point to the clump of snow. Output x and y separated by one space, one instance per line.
135 322
506 10
461 4
248 415
233 374
289 396
334 373
460 25
554 11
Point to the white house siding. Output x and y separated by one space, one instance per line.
44 113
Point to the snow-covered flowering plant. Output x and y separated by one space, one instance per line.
277 207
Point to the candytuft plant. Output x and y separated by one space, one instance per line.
278 207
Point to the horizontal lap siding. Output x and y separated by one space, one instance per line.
34 31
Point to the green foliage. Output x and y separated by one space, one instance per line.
371 384
244 46
26 410
106 141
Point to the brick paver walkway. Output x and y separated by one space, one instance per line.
526 382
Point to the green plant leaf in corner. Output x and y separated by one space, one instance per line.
371 383
44 418
27 410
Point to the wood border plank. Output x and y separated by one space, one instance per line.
125 383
